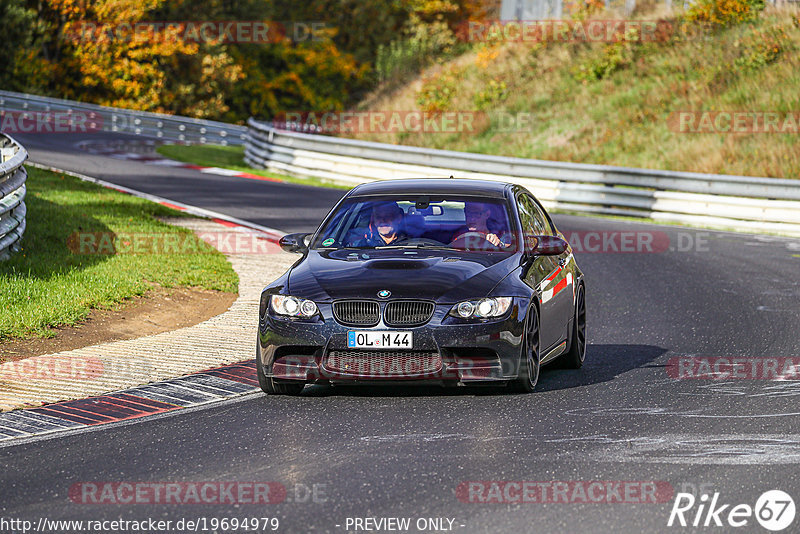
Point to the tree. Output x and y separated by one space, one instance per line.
16 26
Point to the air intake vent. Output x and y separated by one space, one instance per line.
357 312
408 312
383 363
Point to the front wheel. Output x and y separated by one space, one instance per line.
529 361
576 355
269 385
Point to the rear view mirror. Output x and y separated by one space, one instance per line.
547 245
294 243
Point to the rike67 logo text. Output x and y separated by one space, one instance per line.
774 510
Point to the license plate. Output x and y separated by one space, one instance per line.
387 339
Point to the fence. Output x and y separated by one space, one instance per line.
107 119
721 201
12 195
554 9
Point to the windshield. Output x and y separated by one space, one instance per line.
463 223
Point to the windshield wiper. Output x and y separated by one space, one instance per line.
418 245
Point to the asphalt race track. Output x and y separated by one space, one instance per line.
289 207
410 452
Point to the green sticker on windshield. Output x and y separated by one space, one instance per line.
328 242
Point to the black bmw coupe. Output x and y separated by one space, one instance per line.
448 280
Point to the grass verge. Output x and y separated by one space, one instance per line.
232 157
50 283
618 103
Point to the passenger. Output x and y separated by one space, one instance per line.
385 226
477 215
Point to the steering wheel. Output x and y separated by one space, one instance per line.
467 241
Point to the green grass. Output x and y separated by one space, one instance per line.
49 284
232 157
623 115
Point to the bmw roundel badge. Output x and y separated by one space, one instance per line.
384 293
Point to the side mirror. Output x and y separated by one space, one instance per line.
294 243
546 245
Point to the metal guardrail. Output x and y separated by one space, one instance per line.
91 117
712 200
12 195
723 201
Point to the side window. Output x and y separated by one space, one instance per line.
548 230
532 218
527 216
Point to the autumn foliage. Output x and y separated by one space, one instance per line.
218 79
720 13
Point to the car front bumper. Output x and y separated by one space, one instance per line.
445 349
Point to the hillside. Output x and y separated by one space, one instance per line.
618 103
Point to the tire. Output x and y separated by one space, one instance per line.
529 359
269 385
576 355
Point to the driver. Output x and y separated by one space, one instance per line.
384 226
477 216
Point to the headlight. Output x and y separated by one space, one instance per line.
482 309
293 306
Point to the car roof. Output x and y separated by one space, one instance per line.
433 186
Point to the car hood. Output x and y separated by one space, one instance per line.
442 275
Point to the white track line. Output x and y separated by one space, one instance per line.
187 208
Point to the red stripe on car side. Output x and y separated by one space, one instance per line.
555 273
559 286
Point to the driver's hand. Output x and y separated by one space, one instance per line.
494 240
